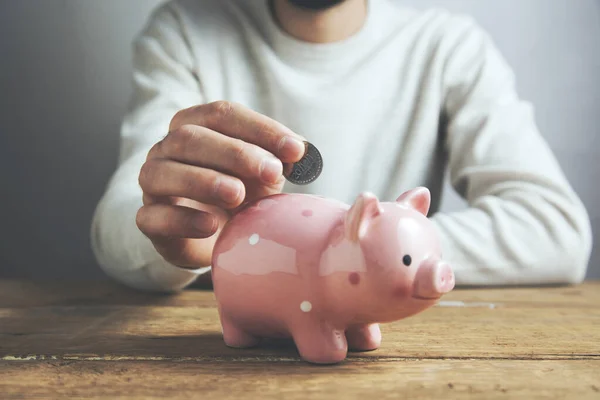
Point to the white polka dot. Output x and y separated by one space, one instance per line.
306 306
253 239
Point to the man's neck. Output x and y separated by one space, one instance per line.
324 26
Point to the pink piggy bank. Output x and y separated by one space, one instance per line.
325 273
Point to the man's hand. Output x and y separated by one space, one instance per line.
216 157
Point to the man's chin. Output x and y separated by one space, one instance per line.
315 4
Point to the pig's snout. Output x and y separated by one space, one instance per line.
434 278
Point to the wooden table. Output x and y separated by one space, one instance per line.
104 341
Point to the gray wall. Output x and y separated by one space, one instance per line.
64 84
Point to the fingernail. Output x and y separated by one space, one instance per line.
292 147
205 224
271 169
228 190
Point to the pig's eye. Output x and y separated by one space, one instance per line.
407 260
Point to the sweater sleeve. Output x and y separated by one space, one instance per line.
524 223
163 83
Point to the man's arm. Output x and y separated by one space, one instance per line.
185 165
524 223
163 84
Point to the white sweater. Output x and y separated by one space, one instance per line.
414 95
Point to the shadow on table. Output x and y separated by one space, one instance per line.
205 348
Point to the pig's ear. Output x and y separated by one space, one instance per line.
417 198
365 208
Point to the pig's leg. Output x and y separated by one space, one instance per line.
319 343
364 337
234 336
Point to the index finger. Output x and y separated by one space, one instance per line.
236 121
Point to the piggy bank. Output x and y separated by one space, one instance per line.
325 273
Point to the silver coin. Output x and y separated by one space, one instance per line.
306 170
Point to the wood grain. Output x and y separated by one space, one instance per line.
27 294
195 332
103 340
188 326
398 379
